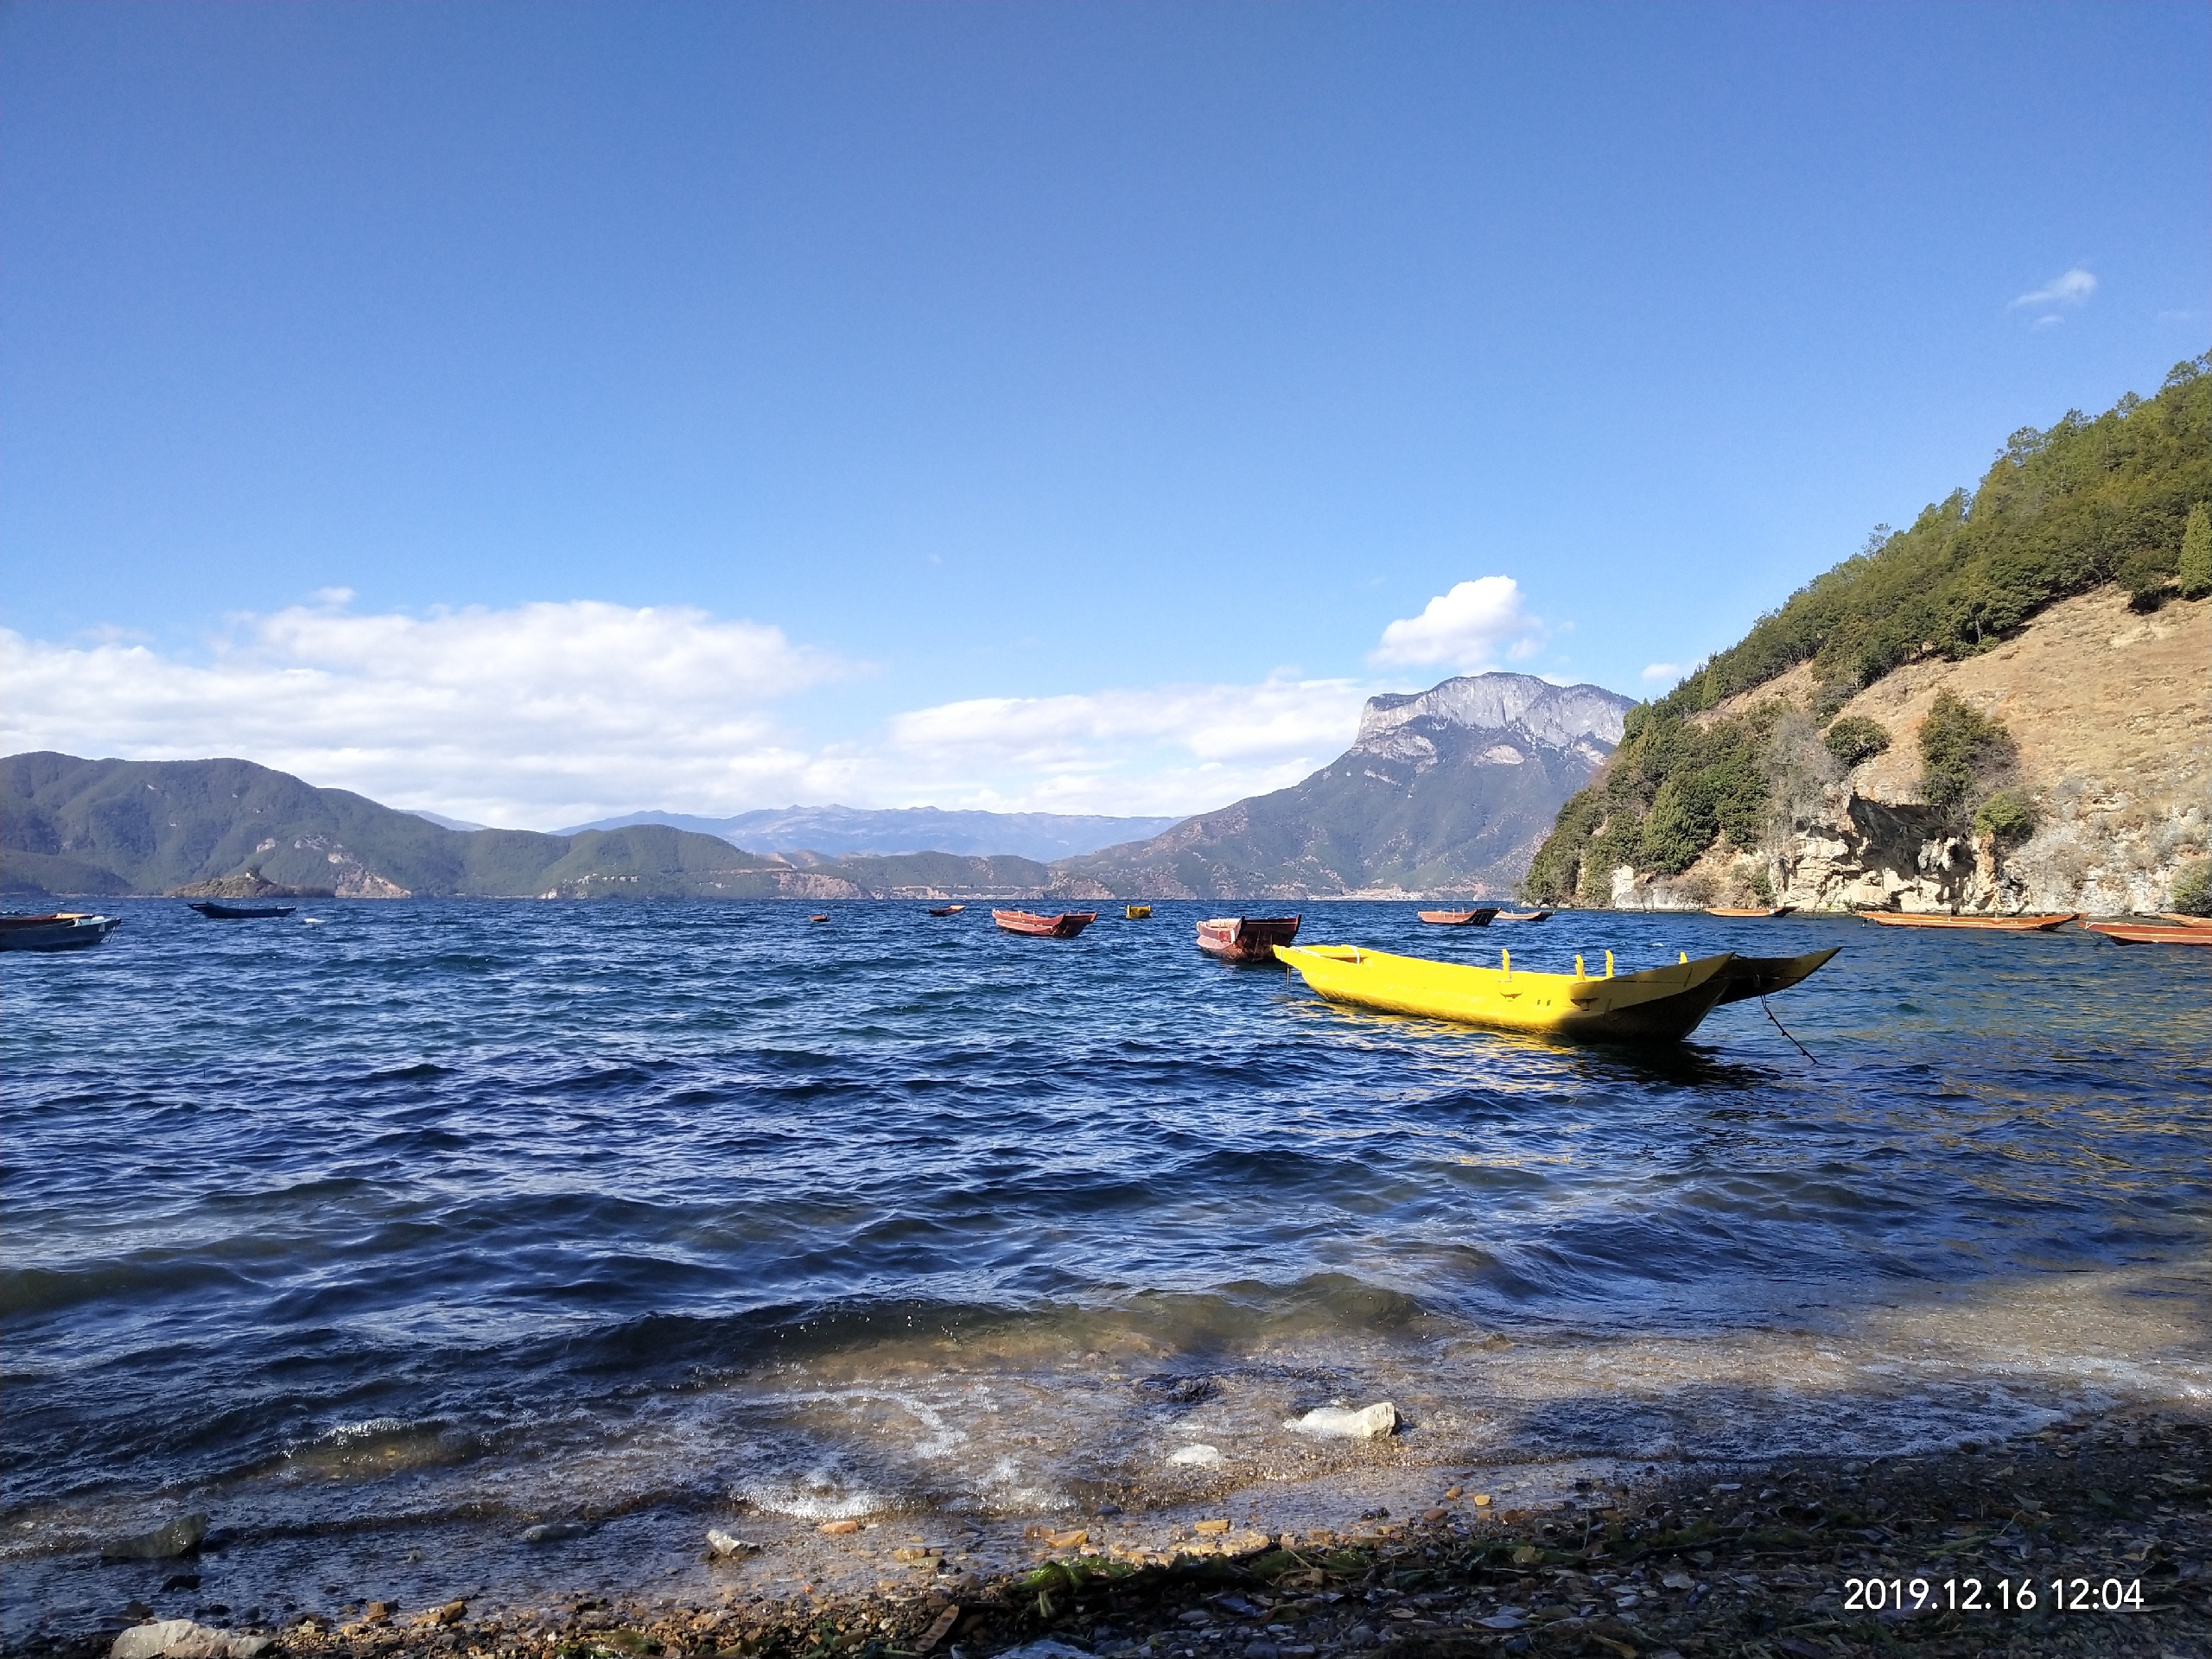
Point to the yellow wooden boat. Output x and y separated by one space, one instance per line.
1136 912
1655 1006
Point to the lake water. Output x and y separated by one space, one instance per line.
386 1238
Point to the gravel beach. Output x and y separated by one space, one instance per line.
2090 1537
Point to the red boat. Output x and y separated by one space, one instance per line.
1459 917
2145 933
2180 920
1245 938
1065 925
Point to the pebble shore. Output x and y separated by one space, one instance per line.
2117 1509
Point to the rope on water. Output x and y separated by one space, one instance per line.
1784 1030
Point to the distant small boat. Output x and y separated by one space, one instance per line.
2180 920
1744 910
60 930
215 912
946 910
2150 933
1136 912
1459 917
1986 923
1522 916
1065 925
1245 938
817 918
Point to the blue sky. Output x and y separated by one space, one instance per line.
529 410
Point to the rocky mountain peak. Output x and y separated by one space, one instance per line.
1563 716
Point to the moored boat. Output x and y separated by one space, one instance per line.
1657 1005
1136 912
1065 925
2150 933
1479 917
2180 920
1245 938
60 929
1522 916
1749 977
1741 910
1986 923
947 910
220 912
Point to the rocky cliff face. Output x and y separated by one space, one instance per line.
2111 712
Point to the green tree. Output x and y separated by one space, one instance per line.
1855 738
1960 748
2008 815
2196 570
2193 888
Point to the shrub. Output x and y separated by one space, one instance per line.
1855 738
2195 573
1959 747
2192 894
2008 815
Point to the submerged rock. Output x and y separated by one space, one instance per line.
552 1532
1047 1648
1370 1422
180 1639
165 1542
1205 1457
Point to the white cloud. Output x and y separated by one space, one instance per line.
2069 288
1167 749
543 714
1472 628
1658 673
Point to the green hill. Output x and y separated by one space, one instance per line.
2059 513
74 826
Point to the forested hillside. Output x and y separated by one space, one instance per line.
2060 513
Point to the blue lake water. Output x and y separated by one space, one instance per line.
386 1236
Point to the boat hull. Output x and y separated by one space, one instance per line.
1978 923
2180 920
63 931
1749 977
216 912
1736 911
2136 933
1482 917
1522 916
1245 938
1065 925
1660 1005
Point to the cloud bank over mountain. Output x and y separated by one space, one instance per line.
554 713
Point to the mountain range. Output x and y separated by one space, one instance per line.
837 831
1444 792
1447 792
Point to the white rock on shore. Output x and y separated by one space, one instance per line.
180 1639
1333 1423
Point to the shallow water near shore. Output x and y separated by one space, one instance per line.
396 1234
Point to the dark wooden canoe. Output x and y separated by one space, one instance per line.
1522 916
215 912
947 910
1459 917
1065 925
1748 976
61 930
1739 910
1245 938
